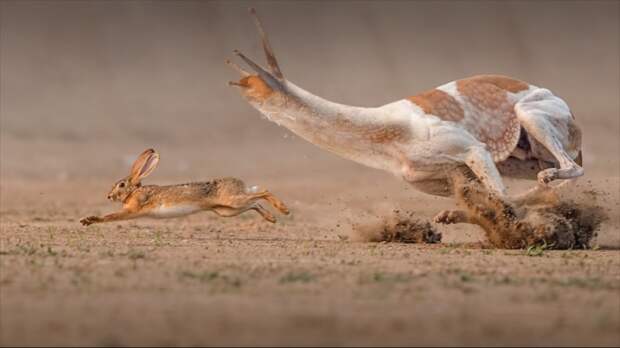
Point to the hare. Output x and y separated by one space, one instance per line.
225 196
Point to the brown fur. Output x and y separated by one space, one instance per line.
440 104
151 196
491 102
487 94
504 82
376 134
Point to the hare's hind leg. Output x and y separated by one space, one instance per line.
238 198
227 211
256 193
242 202
263 212
275 202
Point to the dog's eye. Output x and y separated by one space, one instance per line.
121 185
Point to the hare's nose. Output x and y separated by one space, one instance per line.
109 196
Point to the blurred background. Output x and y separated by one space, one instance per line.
87 85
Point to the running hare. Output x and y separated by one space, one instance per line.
226 196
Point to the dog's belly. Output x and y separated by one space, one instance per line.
438 183
522 169
169 211
435 187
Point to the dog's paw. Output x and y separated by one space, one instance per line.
548 175
449 217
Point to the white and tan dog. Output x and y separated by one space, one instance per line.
492 124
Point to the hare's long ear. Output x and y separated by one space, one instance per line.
144 165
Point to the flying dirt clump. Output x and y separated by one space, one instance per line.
551 222
398 228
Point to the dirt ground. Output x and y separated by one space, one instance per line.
86 86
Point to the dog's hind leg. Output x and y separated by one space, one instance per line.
549 122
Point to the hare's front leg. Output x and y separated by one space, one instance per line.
121 215
263 212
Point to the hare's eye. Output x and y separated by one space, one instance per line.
121 185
